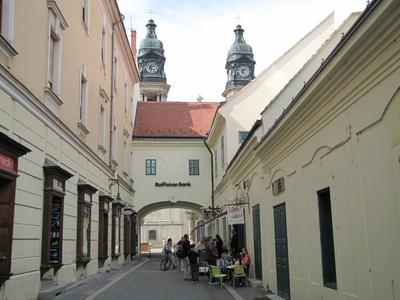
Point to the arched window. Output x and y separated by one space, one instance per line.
152 234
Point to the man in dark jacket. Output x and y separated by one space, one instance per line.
186 249
194 264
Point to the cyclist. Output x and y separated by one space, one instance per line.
169 253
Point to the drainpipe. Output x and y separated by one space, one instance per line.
212 176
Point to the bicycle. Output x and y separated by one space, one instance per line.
165 263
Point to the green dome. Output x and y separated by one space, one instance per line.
239 48
150 43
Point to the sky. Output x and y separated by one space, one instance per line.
197 35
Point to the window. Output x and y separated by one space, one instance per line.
114 141
150 167
242 136
194 167
53 216
104 205
222 152
83 100
57 25
116 230
7 20
126 157
115 73
126 98
102 122
152 235
103 46
327 241
215 163
85 13
85 192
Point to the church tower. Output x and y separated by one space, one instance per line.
239 64
151 59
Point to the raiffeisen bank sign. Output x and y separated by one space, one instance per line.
172 184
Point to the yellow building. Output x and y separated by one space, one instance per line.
68 82
320 176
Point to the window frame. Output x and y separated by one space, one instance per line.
152 233
83 101
85 14
85 196
193 167
222 151
151 170
104 208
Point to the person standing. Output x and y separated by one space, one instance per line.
186 249
179 253
246 261
220 244
194 264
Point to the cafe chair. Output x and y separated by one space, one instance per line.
215 272
239 272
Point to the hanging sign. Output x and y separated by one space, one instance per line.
235 215
7 162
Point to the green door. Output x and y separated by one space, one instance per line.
281 251
257 242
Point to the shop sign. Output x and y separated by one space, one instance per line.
235 215
172 184
7 163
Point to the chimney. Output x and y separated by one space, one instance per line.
133 43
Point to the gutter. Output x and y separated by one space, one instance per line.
212 174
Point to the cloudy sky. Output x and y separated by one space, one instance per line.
197 35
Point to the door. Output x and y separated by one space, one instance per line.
257 242
6 225
281 251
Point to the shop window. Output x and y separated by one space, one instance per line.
85 192
127 234
104 206
53 216
9 153
194 167
116 230
152 234
150 167
327 243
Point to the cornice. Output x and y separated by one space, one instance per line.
30 102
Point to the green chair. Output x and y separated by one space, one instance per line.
239 272
215 272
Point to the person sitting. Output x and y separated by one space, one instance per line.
223 263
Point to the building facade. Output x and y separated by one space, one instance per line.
318 175
66 106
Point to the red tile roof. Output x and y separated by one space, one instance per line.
174 119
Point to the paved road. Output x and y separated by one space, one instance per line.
142 279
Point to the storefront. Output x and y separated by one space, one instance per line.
10 151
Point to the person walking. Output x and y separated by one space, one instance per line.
169 252
194 264
186 263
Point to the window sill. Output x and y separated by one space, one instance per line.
102 149
6 48
114 163
82 130
85 27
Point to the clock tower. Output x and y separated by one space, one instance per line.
239 64
151 59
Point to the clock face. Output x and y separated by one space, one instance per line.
151 67
243 71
